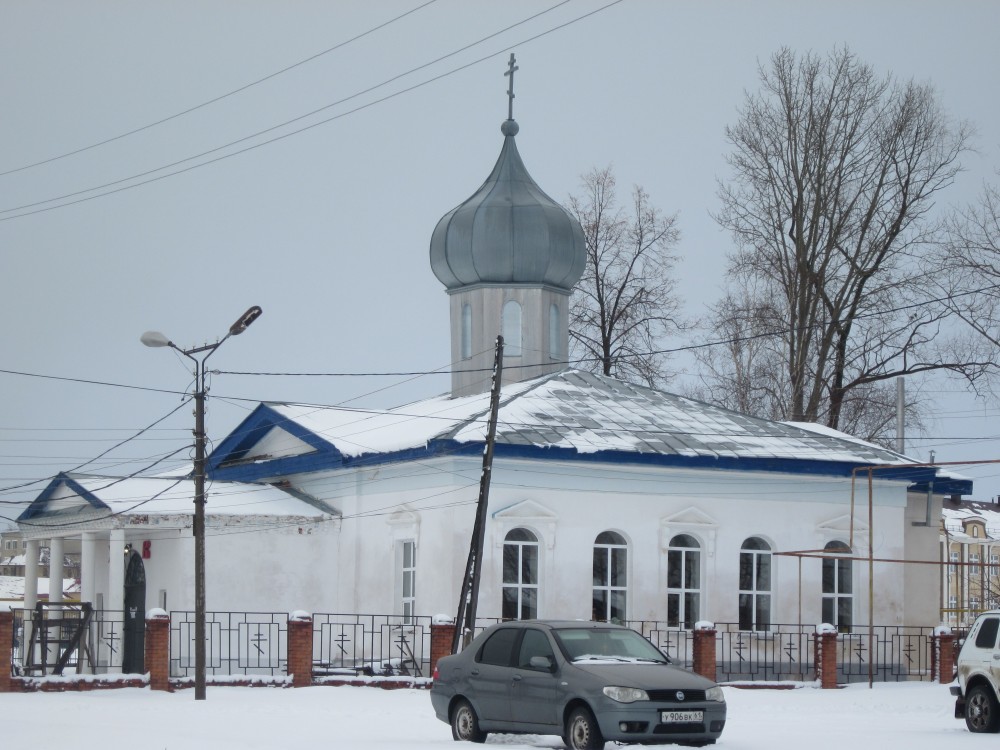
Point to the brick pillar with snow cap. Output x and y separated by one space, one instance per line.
943 655
300 641
704 662
442 635
825 655
158 649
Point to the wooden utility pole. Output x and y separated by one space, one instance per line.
465 620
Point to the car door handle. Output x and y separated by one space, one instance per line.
475 671
996 657
517 677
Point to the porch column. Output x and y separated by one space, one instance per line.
30 593
31 574
116 595
56 560
88 567
88 587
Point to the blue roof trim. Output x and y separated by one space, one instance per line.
228 462
39 507
918 476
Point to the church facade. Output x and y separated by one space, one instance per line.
608 500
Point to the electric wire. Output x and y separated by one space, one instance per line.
220 97
277 138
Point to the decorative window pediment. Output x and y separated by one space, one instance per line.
527 513
691 520
839 527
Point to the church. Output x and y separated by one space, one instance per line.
608 500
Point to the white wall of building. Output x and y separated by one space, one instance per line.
566 504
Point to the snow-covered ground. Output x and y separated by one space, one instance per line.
910 716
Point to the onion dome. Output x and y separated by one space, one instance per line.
508 232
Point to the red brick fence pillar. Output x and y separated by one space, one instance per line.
442 635
6 648
158 649
300 648
825 655
943 655
704 662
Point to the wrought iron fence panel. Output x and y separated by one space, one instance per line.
371 644
237 643
19 642
105 638
673 641
782 652
888 653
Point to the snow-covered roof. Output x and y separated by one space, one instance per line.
957 516
12 587
569 414
107 496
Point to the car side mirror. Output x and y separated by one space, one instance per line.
542 662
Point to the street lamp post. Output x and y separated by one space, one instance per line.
157 339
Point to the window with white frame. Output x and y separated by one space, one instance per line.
408 579
974 563
994 565
610 587
755 585
838 587
520 575
510 325
683 581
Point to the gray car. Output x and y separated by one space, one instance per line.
588 682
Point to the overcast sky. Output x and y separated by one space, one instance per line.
327 229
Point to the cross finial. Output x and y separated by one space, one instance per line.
511 67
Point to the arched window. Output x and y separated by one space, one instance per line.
838 600
511 328
755 585
466 330
610 578
520 575
683 581
554 350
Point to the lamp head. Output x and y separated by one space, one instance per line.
155 339
245 320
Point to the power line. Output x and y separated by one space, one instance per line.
284 124
219 98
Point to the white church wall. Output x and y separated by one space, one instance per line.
567 504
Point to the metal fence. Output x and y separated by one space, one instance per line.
345 644
99 648
237 643
786 652
256 643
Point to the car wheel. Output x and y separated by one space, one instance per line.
465 724
981 711
582 732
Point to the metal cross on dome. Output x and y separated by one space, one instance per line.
511 67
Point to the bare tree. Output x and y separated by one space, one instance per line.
835 171
972 258
626 300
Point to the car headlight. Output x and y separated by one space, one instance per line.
626 694
715 694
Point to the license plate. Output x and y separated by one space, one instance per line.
674 717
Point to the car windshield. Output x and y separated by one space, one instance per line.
607 644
